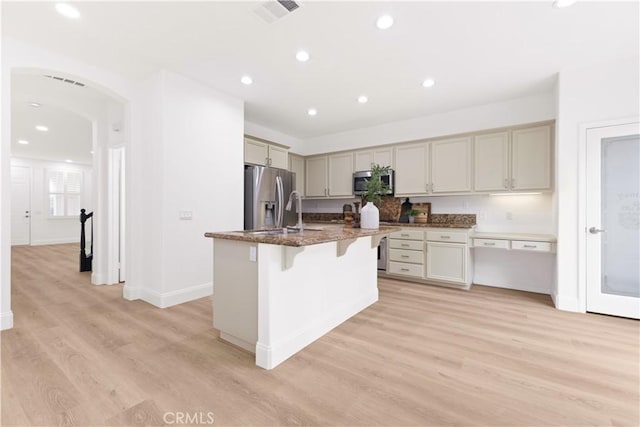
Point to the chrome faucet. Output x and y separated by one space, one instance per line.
298 208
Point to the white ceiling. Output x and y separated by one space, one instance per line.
478 52
67 110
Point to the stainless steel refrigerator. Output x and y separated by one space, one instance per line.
266 192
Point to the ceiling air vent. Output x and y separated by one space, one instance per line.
271 11
65 80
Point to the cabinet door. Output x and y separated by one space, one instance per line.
279 157
491 161
362 160
316 176
255 152
531 158
296 164
451 165
341 174
447 261
412 169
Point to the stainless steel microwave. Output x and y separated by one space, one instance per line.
359 179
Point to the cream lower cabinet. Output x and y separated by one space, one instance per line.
438 256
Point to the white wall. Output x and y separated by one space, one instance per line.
44 229
589 94
190 157
502 114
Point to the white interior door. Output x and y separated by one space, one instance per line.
612 220
20 205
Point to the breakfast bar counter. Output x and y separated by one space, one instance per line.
274 294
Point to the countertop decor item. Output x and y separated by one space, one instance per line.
406 206
375 187
412 214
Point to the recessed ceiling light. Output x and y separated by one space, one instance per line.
34 104
362 99
563 3
428 83
67 10
23 141
384 22
312 112
42 128
247 80
69 161
302 56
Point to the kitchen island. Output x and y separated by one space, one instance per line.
274 294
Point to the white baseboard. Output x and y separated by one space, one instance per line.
6 320
565 303
269 357
42 242
525 288
168 299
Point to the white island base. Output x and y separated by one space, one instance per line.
274 300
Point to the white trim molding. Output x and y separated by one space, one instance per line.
567 303
6 320
43 242
168 299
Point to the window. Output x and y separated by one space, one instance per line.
64 188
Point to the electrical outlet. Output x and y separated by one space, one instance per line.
186 215
253 253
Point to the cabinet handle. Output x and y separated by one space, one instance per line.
404 235
513 183
404 245
530 246
404 256
445 237
404 269
432 187
426 187
489 244
506 183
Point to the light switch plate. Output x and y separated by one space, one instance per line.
186 215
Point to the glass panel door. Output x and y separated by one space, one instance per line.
620 216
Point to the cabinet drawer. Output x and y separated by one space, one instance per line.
408 235
447 236
414 257
415 270
524 245
415 245
491 243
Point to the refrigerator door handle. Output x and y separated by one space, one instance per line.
280 197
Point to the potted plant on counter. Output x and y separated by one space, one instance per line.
412 214
375 187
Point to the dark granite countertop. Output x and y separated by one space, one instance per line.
406 224
312 236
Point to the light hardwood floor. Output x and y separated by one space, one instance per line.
82 355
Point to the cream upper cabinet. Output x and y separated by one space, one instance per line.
491 162
531 158
340 174
265 154
256 152
365 159
316 176
451 165
412 168
278 157
296 164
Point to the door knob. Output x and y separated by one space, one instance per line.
594 230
